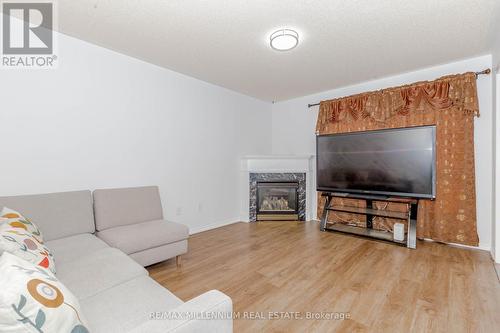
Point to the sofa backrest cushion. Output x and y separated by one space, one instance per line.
125 206
57 215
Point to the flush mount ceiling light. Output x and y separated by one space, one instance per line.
284 39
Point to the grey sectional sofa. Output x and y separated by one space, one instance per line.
115 292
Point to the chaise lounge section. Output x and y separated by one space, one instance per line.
131 219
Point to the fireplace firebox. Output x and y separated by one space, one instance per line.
290 187
277 200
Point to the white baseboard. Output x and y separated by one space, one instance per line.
202 228
483 248
497 270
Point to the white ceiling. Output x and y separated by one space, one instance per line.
225 42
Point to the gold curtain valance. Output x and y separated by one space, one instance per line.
457 91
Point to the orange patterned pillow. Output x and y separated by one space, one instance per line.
17 220
16 238
34 300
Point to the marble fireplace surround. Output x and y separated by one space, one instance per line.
297 168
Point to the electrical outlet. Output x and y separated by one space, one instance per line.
178 211
200 207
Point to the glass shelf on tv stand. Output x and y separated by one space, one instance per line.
365 232
410 215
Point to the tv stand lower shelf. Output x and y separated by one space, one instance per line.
409 215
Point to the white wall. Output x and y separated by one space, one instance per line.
103 120
496 146
294 126
495 47
496 153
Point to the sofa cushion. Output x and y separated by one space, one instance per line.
146 235
124 206
74 247
132 304
33 300
210 312
57 214
160 253
98 271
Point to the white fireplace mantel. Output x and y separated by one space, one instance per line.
278 164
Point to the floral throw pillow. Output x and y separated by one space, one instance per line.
16 220
25 245
33 300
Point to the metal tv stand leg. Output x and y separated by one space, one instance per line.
412 227
324 216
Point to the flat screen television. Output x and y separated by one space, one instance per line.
392 162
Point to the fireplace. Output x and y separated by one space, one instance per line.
277 196
277 200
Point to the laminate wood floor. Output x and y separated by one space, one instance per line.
292 266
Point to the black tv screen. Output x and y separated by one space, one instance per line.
397 162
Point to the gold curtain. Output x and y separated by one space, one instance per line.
450 103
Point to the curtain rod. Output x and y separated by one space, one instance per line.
483 72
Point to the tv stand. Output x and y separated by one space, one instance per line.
410 215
